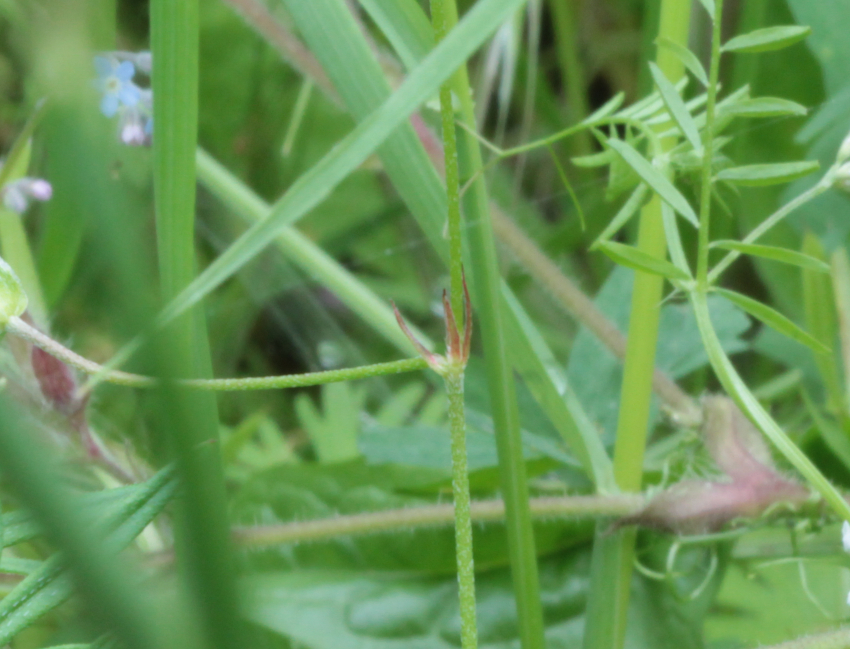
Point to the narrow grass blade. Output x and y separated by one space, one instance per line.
638 260
676 106
655 179
305 254
316 185
397 19
761 175
774 253
767 39
820 311
773 319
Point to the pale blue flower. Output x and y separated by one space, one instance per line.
115 81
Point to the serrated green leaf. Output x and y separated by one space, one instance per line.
765 107
774 253
639 260
676 106
655 179
13 299
773 319
767 39
688 58
768 174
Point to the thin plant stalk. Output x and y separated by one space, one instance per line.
20 328
613 553
441 17
407 518
487 285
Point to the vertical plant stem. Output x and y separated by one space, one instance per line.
191 419
487 291
441 17
708 147
613 553
463 517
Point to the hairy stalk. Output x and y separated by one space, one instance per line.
613 553
683 408
500 379
462 515
394 520
19 328
441 15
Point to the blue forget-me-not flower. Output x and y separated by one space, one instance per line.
115 81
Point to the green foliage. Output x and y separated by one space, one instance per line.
322 202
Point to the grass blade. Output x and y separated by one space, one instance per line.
761 175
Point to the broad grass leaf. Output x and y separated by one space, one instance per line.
398 19
767 39
774 253
636 259
655 179
760 175
676 106
773 319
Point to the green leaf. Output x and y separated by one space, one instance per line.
606 109
639 260
13 300
774 253
655 179
768 174
48 586
765 107
773 319
676 106
709 7
397 20
688 58
767 39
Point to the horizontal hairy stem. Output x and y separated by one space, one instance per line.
432 516
839 639
19 328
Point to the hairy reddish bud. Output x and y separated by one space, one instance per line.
754 484
55 379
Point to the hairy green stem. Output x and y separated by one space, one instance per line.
487 290
486 511
19 328
462 515
839 639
